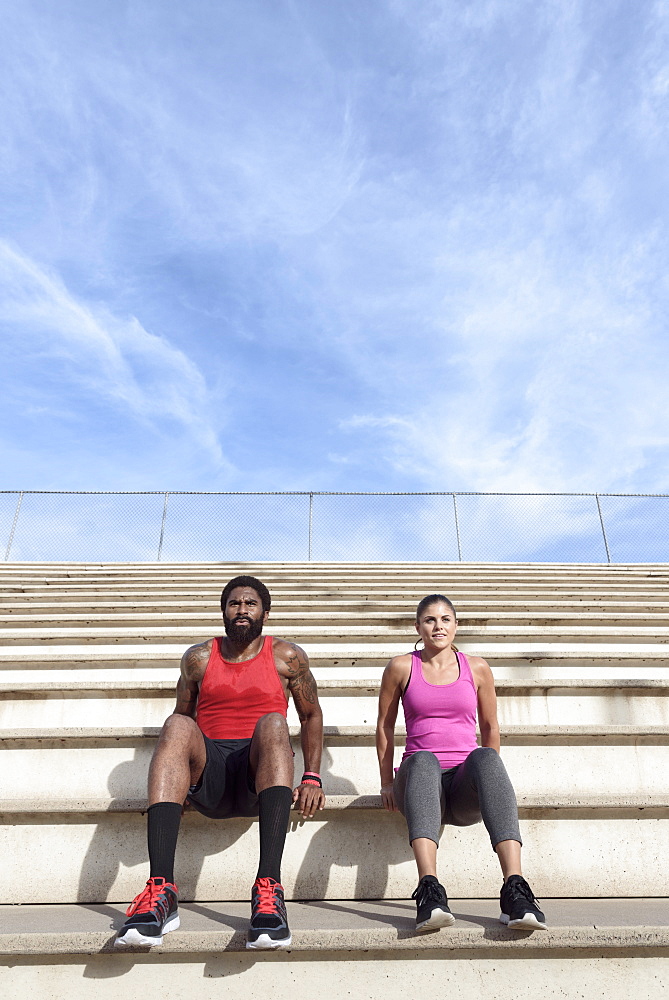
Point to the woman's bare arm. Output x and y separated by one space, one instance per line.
394 678
487 703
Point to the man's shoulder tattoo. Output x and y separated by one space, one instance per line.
293 658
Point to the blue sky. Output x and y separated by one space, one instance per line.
370 244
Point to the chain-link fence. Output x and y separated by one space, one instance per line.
334 527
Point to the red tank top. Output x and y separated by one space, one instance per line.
233 696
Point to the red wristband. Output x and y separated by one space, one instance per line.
311 778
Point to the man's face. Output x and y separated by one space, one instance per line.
243 615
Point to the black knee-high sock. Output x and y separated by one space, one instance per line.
274 804
163 821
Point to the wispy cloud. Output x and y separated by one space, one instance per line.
201 133
553 377
138 372
353 423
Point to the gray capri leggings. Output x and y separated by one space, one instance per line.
478 789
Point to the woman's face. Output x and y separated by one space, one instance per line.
437 625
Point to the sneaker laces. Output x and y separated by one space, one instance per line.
148 898
265 901
521 890
428 892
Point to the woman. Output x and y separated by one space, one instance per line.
444 776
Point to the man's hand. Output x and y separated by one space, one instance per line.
308 799
388 798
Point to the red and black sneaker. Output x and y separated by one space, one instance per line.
152 913
269 921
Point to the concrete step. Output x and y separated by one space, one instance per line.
555 734
622 588
17 605
331 682
529 806
550 764
637 623
403 598
163 680
593 948
519 636
53 698
343 853
530 660
574 924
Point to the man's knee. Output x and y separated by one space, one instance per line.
179 730
271 728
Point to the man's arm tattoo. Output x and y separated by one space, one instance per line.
301 681
303 688
187 687
294 662
186 699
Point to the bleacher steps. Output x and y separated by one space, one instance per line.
89 658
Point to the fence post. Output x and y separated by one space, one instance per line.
311 520
457 527
11 533
601 521
162 527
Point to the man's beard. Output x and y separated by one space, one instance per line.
244 631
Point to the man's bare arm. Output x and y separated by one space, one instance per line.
193 665
302 686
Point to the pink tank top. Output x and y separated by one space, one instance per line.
441 717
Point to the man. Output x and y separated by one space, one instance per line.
227 750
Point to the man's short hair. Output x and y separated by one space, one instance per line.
247 581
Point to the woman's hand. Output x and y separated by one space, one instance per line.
388 798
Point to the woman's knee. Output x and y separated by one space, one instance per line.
485 769
423 761
485 759
420 774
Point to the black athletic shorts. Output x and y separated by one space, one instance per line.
225 788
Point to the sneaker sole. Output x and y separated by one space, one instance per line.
133 939
265 943
527 922
436 920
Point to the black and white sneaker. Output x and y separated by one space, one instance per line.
432 910
269 921
151 914
519 905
